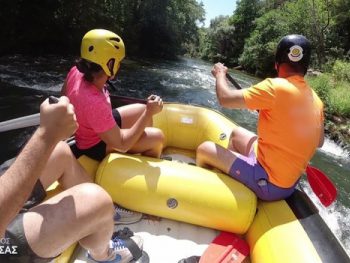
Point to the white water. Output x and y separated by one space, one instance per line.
336 217
334 150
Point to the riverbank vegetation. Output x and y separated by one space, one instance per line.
150 28
249 37
167 28
333 88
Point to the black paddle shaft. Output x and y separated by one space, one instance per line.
233 81
53 99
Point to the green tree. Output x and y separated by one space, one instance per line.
219 41
341 27
165 26
310 18
259 50
243 21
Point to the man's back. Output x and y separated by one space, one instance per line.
289 126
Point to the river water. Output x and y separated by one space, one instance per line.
26 81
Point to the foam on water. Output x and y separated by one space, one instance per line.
331 148
336 217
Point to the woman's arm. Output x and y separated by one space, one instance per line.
123 139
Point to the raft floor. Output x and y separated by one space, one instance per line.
165 240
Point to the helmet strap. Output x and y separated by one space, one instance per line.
110 65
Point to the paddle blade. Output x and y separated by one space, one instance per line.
321 185
226 248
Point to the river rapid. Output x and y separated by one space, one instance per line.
26 81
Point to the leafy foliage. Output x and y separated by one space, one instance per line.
322 86
244 22
219 41
167 28
341 26
226 36
333 92
341 70
258 54
258 25
149 27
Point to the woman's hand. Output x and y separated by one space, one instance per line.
154 104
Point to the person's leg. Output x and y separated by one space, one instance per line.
210 154
245 169
63 167
241 141
151 141
54 225
130 114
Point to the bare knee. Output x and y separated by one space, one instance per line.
60 160
234 136
241 140
203 153
83 211
205 147
93 192
63 156
98 200
62 150
155 139
157 135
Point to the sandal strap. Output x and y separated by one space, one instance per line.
192 259
123 233
134 249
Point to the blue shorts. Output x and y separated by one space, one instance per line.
249 171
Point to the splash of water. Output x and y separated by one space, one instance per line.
332 149
336 217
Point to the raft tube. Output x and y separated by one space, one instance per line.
177 191
291 231
285 231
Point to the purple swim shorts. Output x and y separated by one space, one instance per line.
248 171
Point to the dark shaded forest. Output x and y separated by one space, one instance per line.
152 28
168 28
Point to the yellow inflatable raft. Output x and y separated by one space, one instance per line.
284 231
176 190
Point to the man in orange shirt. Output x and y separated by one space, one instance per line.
290 125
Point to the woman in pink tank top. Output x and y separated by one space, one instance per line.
101 128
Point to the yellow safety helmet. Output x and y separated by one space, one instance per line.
102 46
